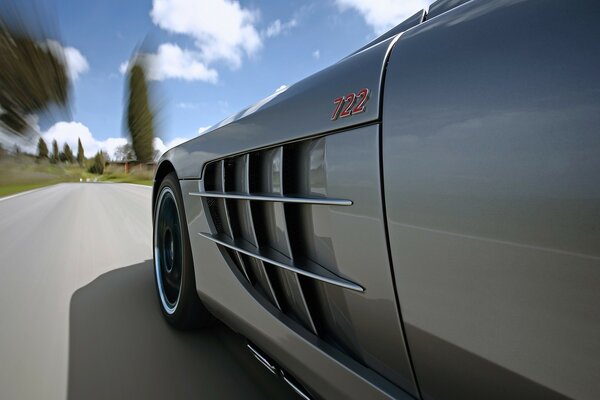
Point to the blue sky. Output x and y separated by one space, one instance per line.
210 58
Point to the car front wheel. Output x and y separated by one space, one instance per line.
173 265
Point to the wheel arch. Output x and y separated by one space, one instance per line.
164 168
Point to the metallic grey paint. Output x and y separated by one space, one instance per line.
304 109
319 366
482 139
491 153
441 6
365 325
410 22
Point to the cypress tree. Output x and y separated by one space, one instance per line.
42 149
140 118
55 155
80 153
68 153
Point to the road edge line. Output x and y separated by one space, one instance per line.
12 196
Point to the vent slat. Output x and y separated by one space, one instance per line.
285 177
306 268
221 211
277 238
231 215
258 267
270 198
257 203
223 201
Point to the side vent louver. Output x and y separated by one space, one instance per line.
253 202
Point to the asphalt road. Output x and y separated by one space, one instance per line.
79 317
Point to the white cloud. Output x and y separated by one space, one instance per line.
316 54
222 29
76 63
202 129
172 62
187 106
162 147
69 132
277 27
281 89
383 15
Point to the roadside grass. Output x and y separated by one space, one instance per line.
138 174
7 190
24 172
126 179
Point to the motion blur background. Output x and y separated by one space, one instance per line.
66 65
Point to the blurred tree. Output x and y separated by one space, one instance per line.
42 149
98 166
55 155
80 153
140 118
32 77
105 156
2 151
68 153
124 153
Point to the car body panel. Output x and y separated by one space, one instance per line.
302 110
358 332
364 326
476 207
441 6
410 22
491 149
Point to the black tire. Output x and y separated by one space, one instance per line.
173 264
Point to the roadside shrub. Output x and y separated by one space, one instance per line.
97 166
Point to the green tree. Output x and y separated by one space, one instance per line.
55 155
42 149
98 165
80 153
32 77
124 153
68 153
140 118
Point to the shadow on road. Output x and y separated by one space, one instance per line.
120 348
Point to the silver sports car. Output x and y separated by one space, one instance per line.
419 220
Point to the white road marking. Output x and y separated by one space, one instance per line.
26 192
